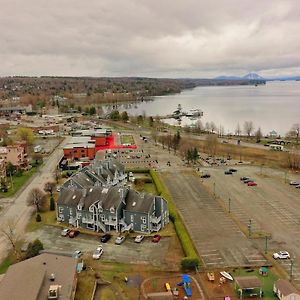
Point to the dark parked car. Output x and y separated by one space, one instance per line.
228 172
73 233
156 238
248 180
233 170
205 175
105 238
244 178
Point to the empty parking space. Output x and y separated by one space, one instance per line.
217 238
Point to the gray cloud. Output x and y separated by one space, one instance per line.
167 38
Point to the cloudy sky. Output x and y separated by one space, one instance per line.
159 38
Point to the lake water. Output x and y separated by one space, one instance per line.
274 106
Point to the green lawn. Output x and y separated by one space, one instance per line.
48 218
18 182
267 281
5 265
127 139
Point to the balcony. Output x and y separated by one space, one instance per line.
155 220
110 222
87 221
156 227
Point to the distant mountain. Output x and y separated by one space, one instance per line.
253 76
250 76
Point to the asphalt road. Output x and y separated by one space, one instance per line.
17 212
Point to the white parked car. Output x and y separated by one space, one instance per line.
98 252
77 254
281 255
65 232
293 182
139 238
119 240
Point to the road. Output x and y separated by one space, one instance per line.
17 212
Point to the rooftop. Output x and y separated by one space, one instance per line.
30 279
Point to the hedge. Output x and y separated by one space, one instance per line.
191 260
137 170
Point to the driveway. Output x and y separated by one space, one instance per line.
128 252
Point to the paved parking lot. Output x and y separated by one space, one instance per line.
217 238
273 206
128 252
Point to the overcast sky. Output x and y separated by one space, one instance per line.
158 38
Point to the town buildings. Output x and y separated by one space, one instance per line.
97 198
16 154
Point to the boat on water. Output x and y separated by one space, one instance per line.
226 275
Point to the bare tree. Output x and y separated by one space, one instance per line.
213 127
154 135
258 135
248 127
36 198
295 132
49 187
8 231
238 130
199 126
207 127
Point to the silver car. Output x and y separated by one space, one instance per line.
119 240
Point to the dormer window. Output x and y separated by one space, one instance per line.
112 210
79 207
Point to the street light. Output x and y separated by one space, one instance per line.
291 269
249 227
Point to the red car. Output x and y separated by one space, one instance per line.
252 183
73 233
156 238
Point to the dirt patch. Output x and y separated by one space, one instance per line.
157 284
214 289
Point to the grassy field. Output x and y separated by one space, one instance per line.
127 139
48 218
18 182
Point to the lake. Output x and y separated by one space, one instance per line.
274 106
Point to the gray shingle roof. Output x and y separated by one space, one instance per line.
138 202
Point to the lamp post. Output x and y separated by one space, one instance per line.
266 244
214 190
249 227
291 269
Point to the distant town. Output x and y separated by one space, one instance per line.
101 204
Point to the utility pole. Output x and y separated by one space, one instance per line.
291 269
249 227
229 205
214 190
266 245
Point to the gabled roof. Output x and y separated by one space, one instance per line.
137 202
69 197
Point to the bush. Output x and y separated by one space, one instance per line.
34 248
38 218
191 260
52 204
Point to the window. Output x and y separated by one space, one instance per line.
62 217
131 218
144 219
103 218
60 209
143 227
